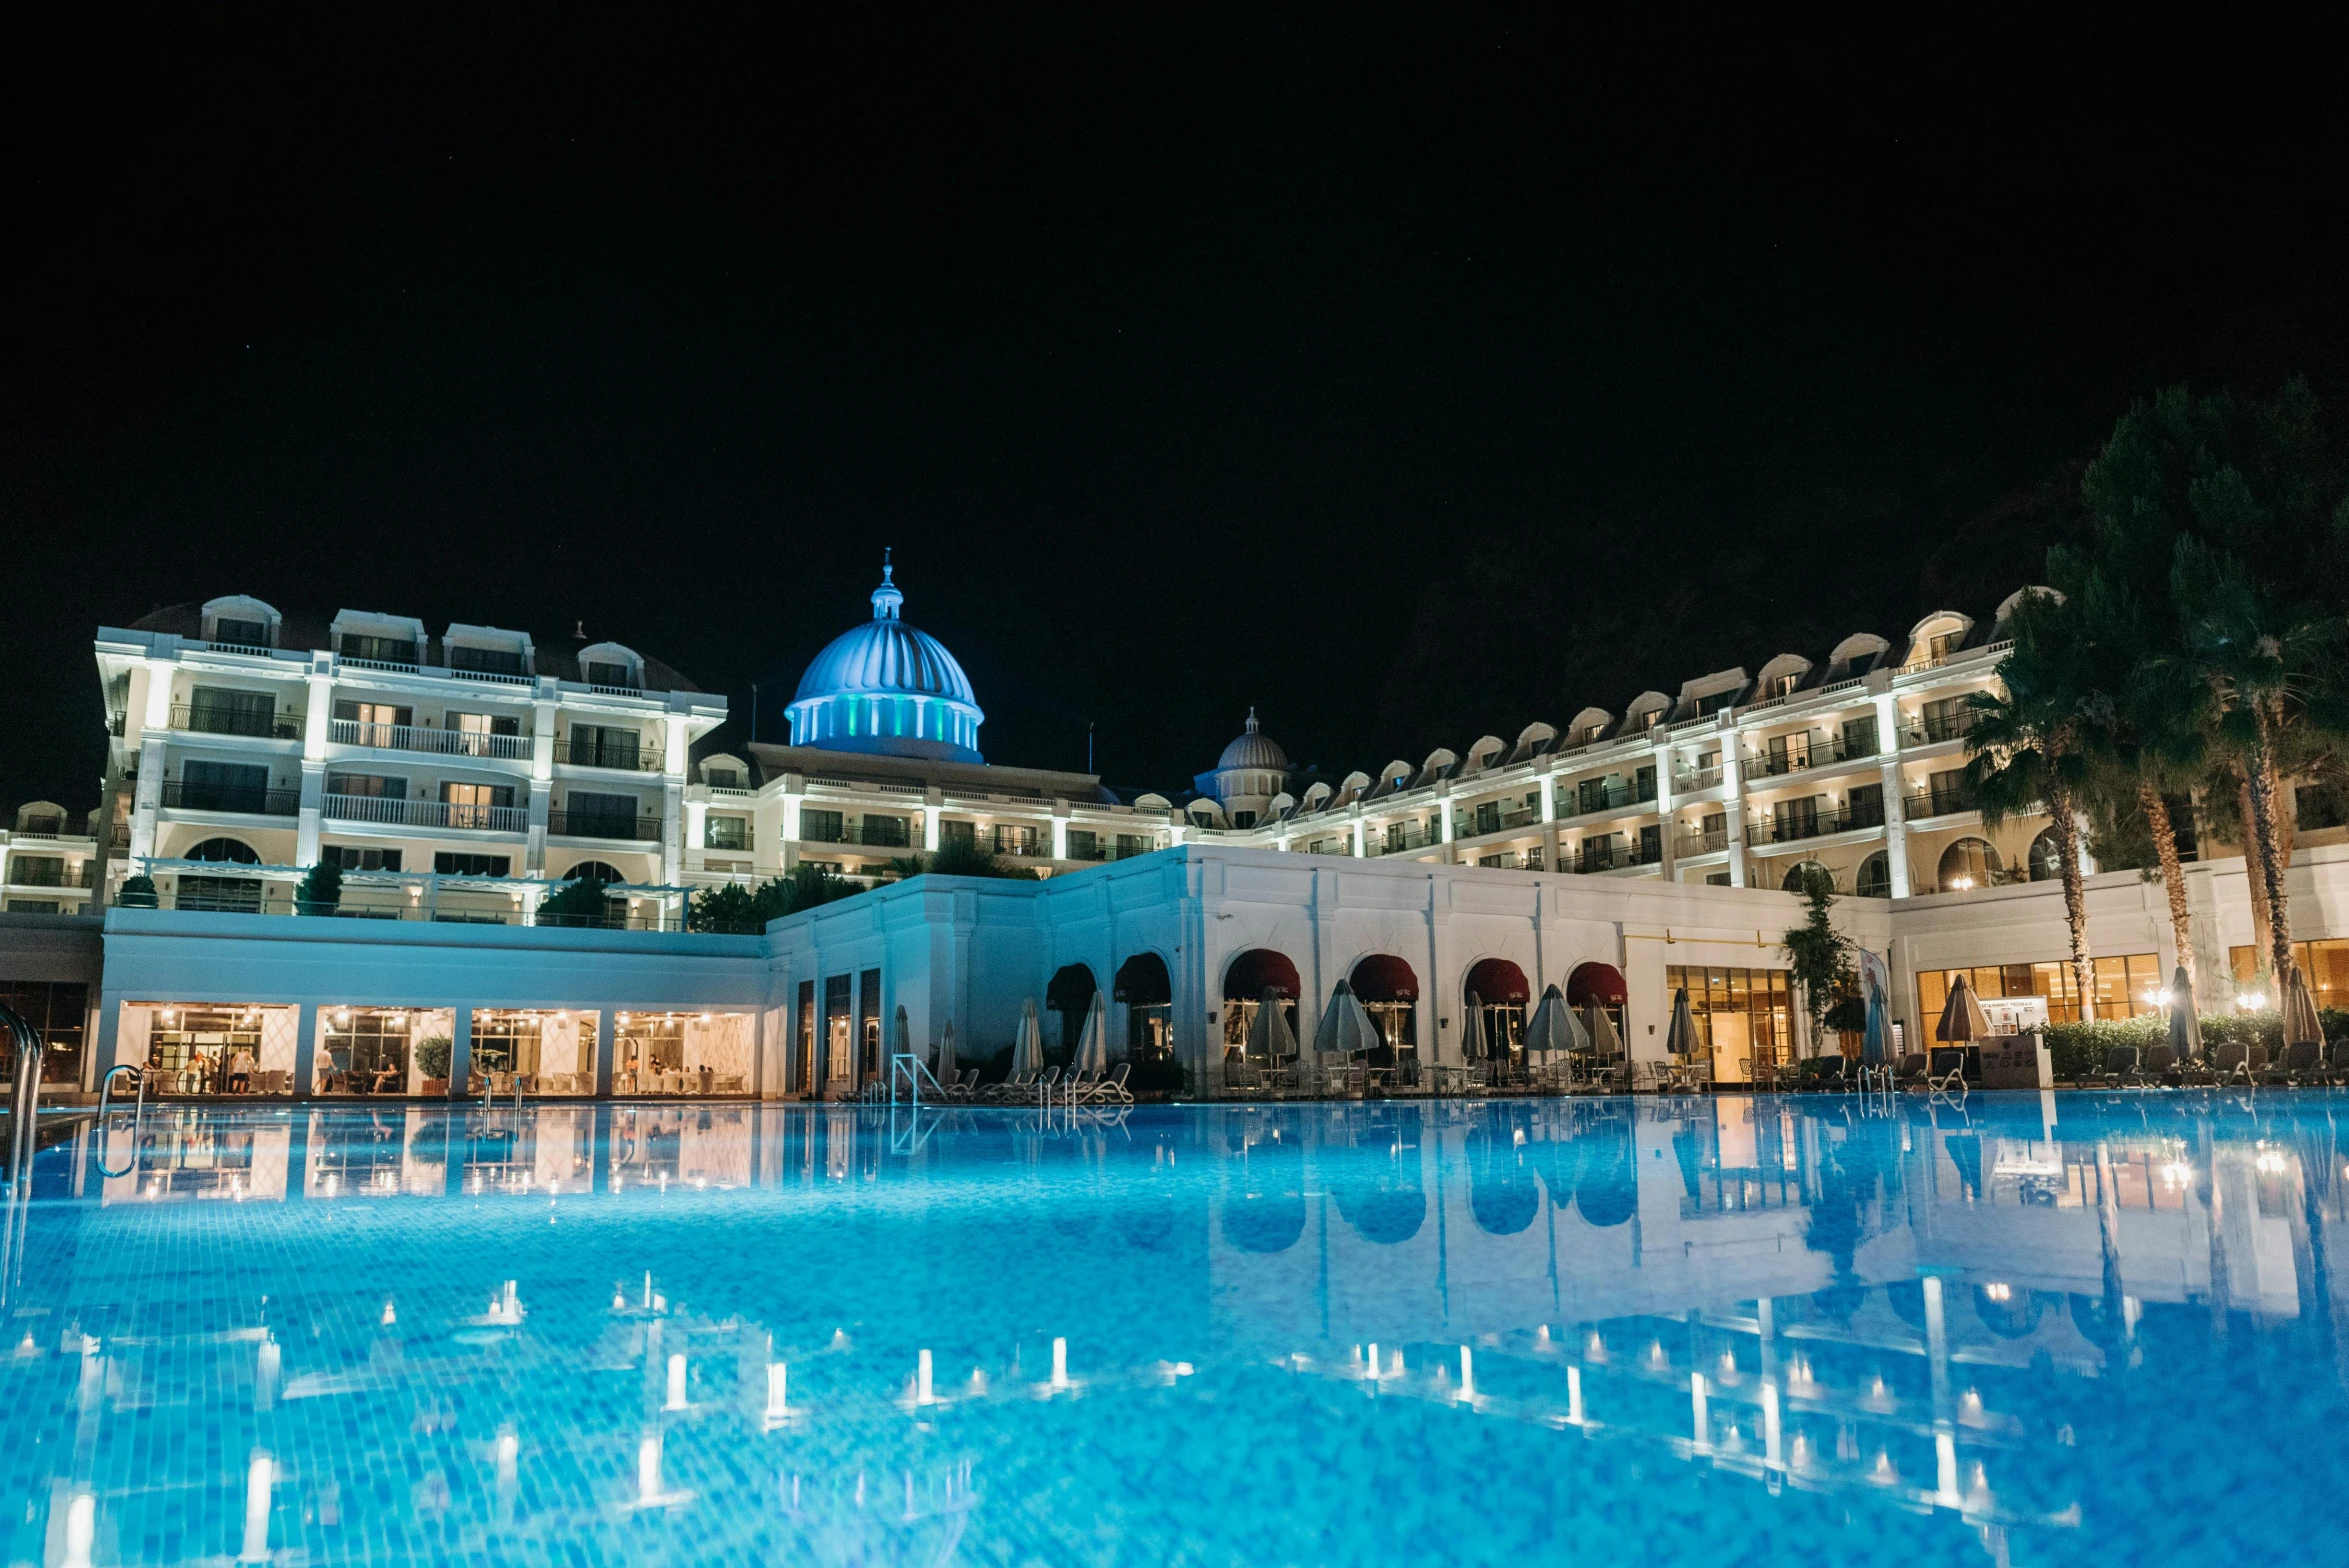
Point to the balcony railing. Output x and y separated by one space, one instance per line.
735 841
1100 851
392 811
1937 727
1940 801
240 799
1787 828
1612 854
235 721
603 824
1393 842
1578 802
1478 823
417 737
1332 846
1815 751
1695 779
627 759
30 871
1706 842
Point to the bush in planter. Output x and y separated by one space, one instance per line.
580 902
320 891
2076 1050
137 893
432 1056
2264 1027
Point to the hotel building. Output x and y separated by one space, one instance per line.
456 780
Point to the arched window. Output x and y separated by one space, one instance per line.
228 895
1875 878
1792 882
593 871
2046 857
1968 863
1601 986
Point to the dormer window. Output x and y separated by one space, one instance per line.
242 634
722 778
378 650
1784 686
488 661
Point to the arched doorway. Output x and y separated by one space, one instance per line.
1147 991
1245 981
1601 986
231 895
2046 856
1875 878
1389 991
1501 993
1070 994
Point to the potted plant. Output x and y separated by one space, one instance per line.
136 893
320 891
432 1060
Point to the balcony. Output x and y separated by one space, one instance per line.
626 759
1939 801
1693 781
1332 846
233 721
1794 825
1400 841
1612 854
1805 751
1582 802
1099 852
392 811
42 871
1711 841
417 737
239 799
1935 728
601 824
1481 822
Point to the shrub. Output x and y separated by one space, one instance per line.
729 908
320 891
959 857
576 903
137 893
2076 1050
432 1055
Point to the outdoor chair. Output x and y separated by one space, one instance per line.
1913 1070
1078 1086
2302 1063
1110 1089
1947 1073
1046 1084
2120 1067
2238 1062
2161 1065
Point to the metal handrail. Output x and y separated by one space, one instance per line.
914 1070
24 1099
138 1114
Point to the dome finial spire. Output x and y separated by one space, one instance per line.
1251 718
886 598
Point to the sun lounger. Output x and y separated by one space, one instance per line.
2120 1068
2303 1063
1109 1089
1913 1070
2237 1062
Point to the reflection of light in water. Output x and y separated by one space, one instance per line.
81 1530
1998 1292
259 1477
676 1400
1594 1347
1656 1356
1884 1471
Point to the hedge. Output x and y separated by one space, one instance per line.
2077 1050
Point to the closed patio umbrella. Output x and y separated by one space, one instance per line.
948 1067
1605 1043
2301 1025
2185 1037
904 1045
1680 1036
1270 1036
1876 1042
1345 1029
1553 1028
1027 1046
1093 1045
1962 1019
1472 1046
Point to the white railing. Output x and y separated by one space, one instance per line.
392 811
416 737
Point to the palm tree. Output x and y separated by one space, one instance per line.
2268 674
2025 754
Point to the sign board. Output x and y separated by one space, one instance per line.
2015 1014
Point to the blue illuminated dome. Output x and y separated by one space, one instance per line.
886 687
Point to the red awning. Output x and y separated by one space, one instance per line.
1382 977
1600 983
1498 982
1257 968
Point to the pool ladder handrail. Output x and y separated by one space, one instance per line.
138 1114
489 1089
24 1097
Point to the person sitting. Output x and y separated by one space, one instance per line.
387 1079
240 1071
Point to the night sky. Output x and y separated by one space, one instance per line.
1407 377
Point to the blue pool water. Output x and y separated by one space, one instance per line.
2029 1330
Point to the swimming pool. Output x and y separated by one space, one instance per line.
2032 1329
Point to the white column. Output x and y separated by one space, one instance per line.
1896 817
154 736
542 772
318 711
673 799
794 788
1060 830
1664 808
1444 819
1734 808
697 814
1357 833
930 812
